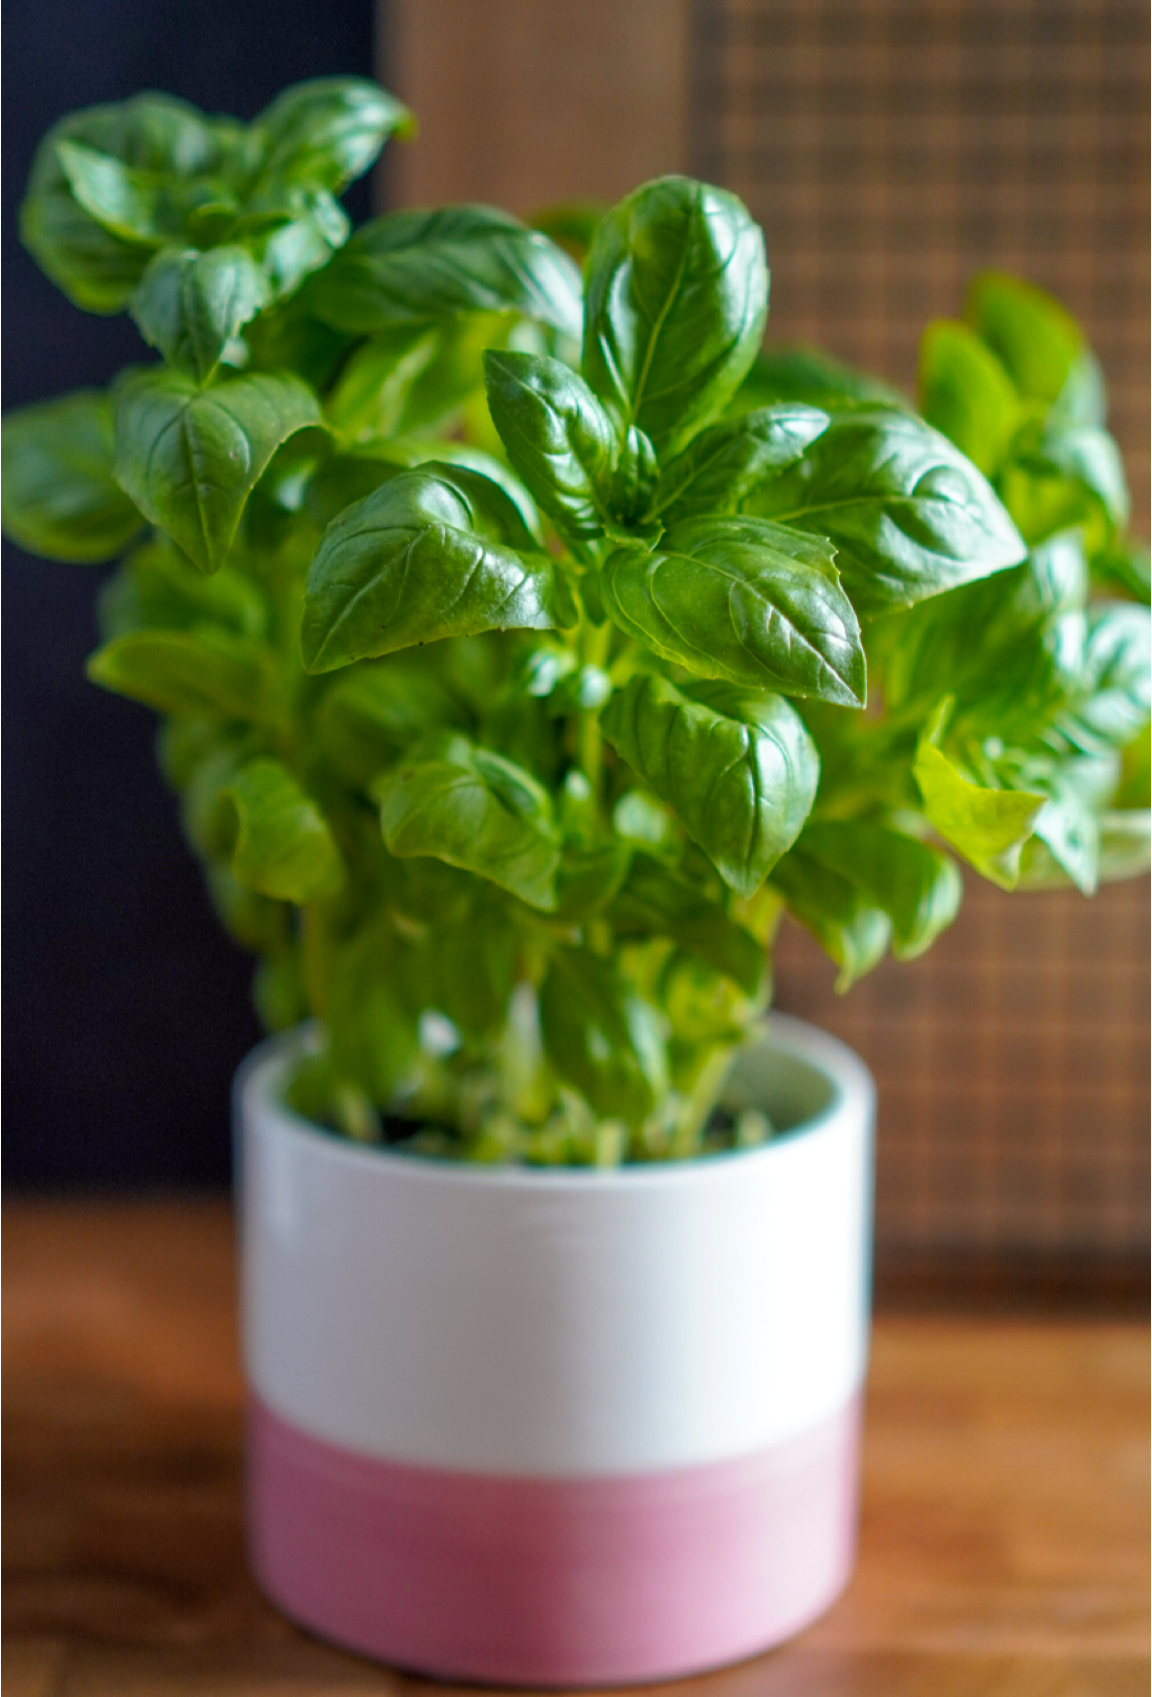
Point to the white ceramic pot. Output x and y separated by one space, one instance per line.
560 1427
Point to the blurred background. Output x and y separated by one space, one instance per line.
890 148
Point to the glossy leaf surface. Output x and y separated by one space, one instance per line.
190 457
917 886
742 599
989 827
909 516
416 561
190 305
738 770
558 437
725 463
677 289
849 927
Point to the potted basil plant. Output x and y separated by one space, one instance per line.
528 642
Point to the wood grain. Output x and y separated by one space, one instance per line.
1004 1538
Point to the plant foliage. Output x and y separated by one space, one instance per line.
530 641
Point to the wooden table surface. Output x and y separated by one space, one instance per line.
1003 1548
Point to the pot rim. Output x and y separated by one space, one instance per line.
257 1078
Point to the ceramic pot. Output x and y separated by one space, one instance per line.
560 1427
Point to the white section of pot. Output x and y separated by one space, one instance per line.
564 1322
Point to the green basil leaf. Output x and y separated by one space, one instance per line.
473 970
1069 828
283 847
372 713
1125 565
918 887
374 1036
558 436
724 464
739 772
1032 335
850 929
1125 851
151 133
190 457
677 301
806 374
368 399
989 827
59 497
1114 700
601 1037
655 902
327 131
589 876
908 515
127 203
255 921
475 810
413 562
190 305
1089 456
417 267
207 673
157 588
745 600
966 394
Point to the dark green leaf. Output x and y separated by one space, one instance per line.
966 394
477 811
157 588
589 875
1125 565
677 302
207 673
59 495
329 130
283 847
305 227
190 457
368 400
850 929
417 267
917 886
373 713
745 600
558 437
151 133
1031 334
989 827
190 305
725 463
739 770
908 515
413 562
655 902
601 1037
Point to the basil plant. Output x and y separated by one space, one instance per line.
528 641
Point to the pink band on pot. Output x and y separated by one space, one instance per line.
593 1580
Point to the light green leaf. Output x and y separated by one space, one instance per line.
59 496
328 130
283 847
418 267
918 887
790 374
415 562
207 673
1089 456
677 301
724 464
745 600
369 396
190 305
738 769
966 394
989 827
908 515
190 457
1125 851
1034 337
655 902
1115 694
477 811
126 202
601 1037
850 929
558 436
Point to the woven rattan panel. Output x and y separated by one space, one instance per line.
890 148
